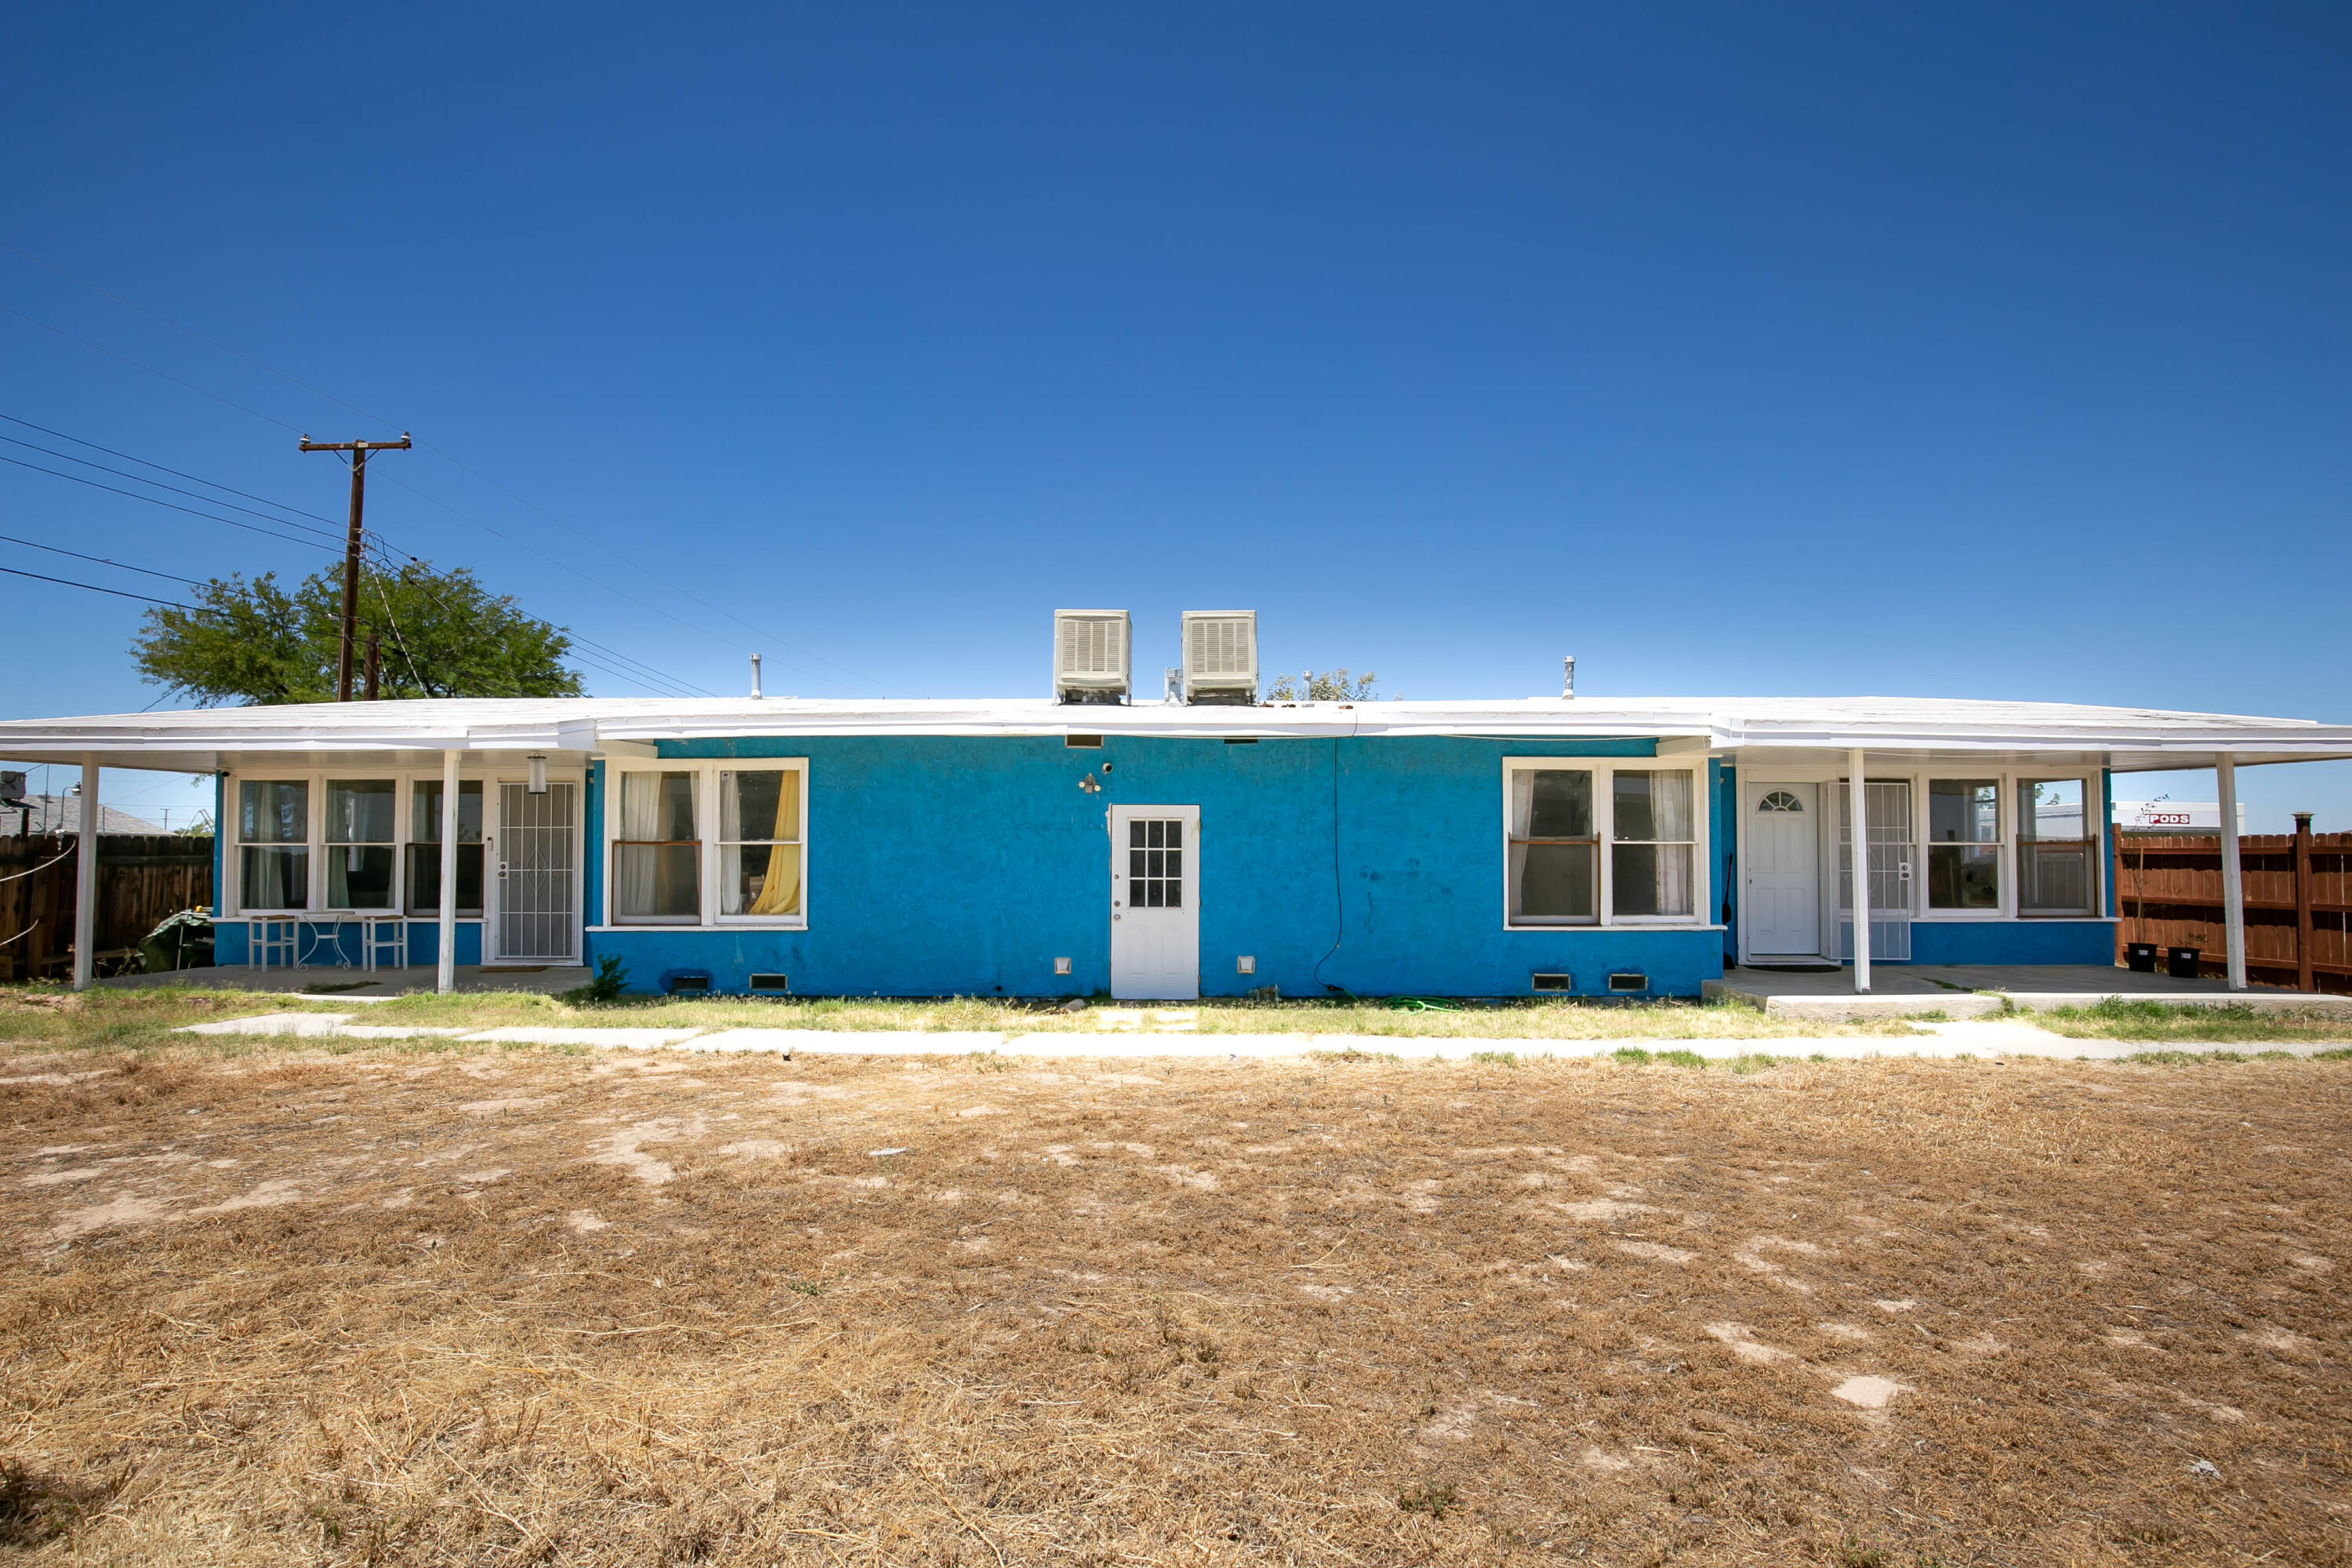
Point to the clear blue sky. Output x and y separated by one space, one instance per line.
1982 352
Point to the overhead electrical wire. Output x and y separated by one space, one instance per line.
634 564
100 560
67 582
158 484
176 473
152 500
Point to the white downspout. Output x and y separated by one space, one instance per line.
1861 878
446 980
85 939
2233 890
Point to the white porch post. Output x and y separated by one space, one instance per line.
85 937
2233 889
1861 876
446 980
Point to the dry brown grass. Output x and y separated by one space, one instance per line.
657 1310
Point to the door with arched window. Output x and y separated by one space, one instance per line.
1784 871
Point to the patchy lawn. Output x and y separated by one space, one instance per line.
496 1308
2117 1020
144 1016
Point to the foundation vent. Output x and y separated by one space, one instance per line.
772 983
1627 981
1552 981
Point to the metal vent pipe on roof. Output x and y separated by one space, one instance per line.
755 675
1568 675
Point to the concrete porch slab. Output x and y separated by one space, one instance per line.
1974 991
359 985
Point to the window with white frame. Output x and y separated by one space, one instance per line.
708 842
1964 844
424 878
2057 863
1652 843
362 819
657 850
273 833
1559 815
760 843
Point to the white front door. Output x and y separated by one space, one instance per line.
532 891
1155 902
1784 871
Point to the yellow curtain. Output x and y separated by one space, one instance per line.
780 890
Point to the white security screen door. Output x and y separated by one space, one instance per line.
1155 903
533 913
1784 871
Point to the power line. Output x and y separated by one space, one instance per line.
636 565
158 484
145 463
100 560
174 506
67 582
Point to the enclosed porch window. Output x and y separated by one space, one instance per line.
2057 863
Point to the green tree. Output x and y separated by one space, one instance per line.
442 635
1330 686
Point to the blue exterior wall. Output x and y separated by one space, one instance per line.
966 865
329 941
2011 941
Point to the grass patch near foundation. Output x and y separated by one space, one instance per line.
2118 1018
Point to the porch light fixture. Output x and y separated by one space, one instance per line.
539 772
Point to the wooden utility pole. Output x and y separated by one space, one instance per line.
359 451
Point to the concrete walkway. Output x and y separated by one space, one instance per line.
1978 990
1967 1038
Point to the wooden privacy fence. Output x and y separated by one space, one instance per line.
141 877
2299 892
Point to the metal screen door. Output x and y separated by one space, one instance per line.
1888 802
535 899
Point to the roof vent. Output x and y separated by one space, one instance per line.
1090 655
1220 655
1568 677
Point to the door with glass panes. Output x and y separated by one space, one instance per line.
1155 902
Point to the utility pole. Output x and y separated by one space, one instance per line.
359 451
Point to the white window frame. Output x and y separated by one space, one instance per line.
2004 846
2095 840
1604 812
489 774
707 825
400 803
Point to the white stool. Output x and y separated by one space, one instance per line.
276 938
384 938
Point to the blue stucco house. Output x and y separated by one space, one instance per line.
1083 843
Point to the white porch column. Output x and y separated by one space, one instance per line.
1861 876
85 937
446 980
2233 887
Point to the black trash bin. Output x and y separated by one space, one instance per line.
2180 963
2140 956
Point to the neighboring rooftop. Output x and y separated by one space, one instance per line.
62 814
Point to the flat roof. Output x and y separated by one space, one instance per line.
202 740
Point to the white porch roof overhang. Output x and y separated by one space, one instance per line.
1785 730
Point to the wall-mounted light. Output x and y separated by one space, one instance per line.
539 772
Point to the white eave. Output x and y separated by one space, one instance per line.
1758 729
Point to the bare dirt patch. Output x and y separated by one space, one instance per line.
388 1308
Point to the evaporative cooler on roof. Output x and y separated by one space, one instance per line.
1090 655
1220 655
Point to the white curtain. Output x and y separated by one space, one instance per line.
1669 810
632 865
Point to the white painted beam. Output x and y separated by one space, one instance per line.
446 978
1861 876
2233 882
85 937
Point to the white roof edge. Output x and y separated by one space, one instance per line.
1731 725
